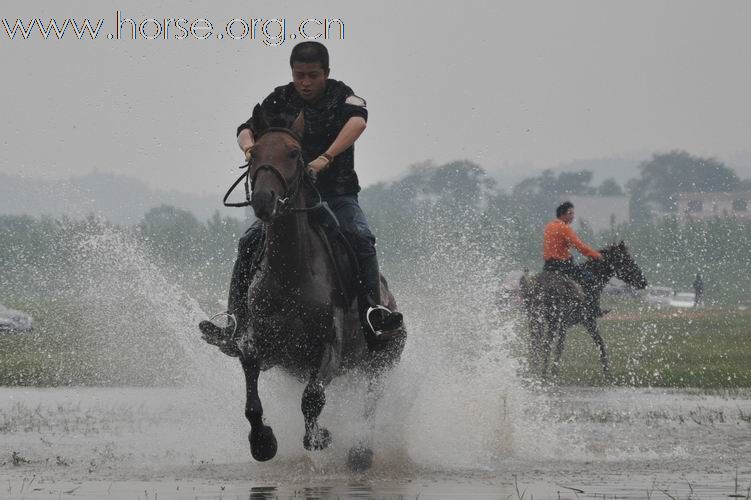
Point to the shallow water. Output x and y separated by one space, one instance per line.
165 443
457 419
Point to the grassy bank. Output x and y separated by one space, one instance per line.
73 345
709 349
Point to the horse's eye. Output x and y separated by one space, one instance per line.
294 153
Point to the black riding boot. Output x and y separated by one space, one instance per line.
591 294
225 337
377 321
593 302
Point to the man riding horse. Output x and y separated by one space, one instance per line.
334 118
559 237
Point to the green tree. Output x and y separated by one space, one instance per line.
565 183
610 187
666 175
173 234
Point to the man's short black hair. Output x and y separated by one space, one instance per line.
310 52
563 208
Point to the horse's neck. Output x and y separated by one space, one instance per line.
288 244
601 272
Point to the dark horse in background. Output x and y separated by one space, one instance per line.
303 314
554 303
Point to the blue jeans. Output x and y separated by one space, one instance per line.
353 224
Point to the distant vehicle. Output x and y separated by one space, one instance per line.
14 321
659 296
618 288
682 299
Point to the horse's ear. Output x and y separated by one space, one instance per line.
259 121
298 126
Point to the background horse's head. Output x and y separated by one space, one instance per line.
626 269
277 170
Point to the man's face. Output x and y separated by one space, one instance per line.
309 80
568 217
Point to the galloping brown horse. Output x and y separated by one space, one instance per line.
303 315
555 303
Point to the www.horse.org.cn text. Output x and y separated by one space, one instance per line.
272 32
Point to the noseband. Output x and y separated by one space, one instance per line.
281 204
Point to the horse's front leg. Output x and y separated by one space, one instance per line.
313 401
314 395
536 341
560 329
594 332
360 456
546 346
262 441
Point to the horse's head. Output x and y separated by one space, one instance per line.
277 169
624 266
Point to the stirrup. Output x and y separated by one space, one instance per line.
219 337
229 316
370 323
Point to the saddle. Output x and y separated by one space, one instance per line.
339 249
561 281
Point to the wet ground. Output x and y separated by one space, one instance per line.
457 420
134 443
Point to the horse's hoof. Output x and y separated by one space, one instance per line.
262 444
318 441
360 458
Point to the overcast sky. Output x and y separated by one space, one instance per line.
514 86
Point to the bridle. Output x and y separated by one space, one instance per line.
611 266
282 202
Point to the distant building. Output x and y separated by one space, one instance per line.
710 205
600 213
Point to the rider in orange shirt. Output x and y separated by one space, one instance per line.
559 237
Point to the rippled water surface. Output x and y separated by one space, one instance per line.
181 443
457 420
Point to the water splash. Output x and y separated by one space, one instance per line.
457 401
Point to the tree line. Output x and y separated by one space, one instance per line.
449 208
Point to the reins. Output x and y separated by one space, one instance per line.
607 267
282 203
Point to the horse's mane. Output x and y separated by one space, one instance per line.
263 124
611 247
284 130
598 266
617 249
